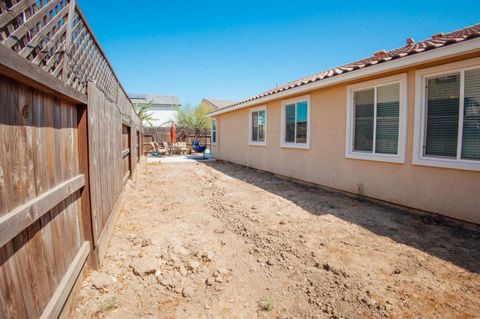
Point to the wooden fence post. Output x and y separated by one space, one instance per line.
83 157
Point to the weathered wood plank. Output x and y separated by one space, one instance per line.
50 250
107 231
41 150
21 217
71 302
29 24
68 40
8 101
37 38
54 307
12 304
22 70
83 158
126 177
26 279
58 245
57 170
37 265
14 11
25 132
70 53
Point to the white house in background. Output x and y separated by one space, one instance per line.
163 107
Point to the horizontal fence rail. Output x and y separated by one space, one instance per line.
23 216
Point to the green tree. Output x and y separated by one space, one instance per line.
143 112
194 118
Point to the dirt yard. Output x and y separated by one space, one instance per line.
216 240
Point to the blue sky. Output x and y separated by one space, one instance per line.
235 49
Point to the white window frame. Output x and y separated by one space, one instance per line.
402 125
421 76
214 120
252 110
309 116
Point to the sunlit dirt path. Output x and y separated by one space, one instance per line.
218 240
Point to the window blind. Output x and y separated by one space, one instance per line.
387 121
471 117
254 126
364 102
443 102
290 123
214 131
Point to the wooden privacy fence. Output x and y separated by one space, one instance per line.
69 141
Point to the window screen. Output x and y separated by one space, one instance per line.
471 116
261 125
387 121
290 123
258 122
443 102
296 123
364 115
214 131
302 122
377 117
255 126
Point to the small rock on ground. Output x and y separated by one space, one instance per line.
144 266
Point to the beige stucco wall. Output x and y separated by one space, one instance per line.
451 192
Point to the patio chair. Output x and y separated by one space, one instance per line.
148 149
160 150
182 147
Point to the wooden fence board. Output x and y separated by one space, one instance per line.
10 288
61 161
9 100
26 280
39 197
38 266
24 215
17 67
55 305
58 246
104 124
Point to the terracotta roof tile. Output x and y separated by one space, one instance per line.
436 41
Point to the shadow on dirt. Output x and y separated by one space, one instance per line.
437 236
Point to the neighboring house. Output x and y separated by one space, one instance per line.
218 103
164 108
402 126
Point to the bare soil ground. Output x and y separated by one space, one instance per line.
217 240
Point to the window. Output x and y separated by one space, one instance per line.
214 131
447 121
376 121
296 122
258 126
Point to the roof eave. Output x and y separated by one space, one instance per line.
410 60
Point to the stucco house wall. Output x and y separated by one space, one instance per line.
450 192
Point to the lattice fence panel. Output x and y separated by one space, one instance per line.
55 36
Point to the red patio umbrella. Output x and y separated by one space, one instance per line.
172 133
